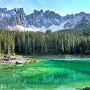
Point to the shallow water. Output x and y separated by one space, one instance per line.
46 75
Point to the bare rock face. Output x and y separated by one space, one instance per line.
21 17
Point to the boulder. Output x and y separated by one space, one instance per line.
36 61
8 58
87 88
19 62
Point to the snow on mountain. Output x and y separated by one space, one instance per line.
16 19
56 28
21 28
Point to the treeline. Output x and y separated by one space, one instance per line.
61 42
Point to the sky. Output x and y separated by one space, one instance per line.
63 7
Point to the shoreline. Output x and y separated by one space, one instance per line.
31 58
71 57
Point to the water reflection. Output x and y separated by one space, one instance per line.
61 76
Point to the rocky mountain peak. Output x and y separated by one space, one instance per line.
3 10
10 18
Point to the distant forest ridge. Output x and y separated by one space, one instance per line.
73 41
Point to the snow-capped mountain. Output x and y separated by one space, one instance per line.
16 19
10 18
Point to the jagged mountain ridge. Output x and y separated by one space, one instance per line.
16 19
9 19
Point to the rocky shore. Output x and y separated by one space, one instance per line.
14 60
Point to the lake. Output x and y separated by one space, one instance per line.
48 74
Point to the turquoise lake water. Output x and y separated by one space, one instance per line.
46 75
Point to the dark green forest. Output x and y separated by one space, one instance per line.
60 42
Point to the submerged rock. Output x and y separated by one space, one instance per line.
36 61
87 88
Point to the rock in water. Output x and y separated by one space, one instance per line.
87 88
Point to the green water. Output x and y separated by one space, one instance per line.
46 75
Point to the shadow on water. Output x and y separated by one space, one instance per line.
46 75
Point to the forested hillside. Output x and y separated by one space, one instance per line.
60 42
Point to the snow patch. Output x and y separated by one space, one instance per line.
56 28
57 20
21 28
53 28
